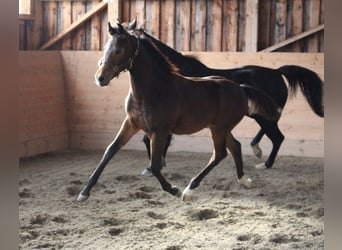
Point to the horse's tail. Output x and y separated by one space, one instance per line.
310 84
261 103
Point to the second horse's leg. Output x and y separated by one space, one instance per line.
158 143
234 147
126 132
147 142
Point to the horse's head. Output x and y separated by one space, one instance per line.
119 54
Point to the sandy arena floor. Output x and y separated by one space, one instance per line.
128 211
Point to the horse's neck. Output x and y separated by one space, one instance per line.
143 76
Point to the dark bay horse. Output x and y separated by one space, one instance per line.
162 102
266 79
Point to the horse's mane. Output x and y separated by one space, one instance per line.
173 55
161 60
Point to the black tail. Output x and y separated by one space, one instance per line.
310 84
261 103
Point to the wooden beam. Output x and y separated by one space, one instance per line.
74 25
114 11
251 31
293 39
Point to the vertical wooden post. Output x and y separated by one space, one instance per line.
251 30
230 25
114 10
280 27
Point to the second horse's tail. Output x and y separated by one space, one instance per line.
261 103
310 84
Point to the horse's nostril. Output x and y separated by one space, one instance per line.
101 78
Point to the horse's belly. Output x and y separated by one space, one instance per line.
188 125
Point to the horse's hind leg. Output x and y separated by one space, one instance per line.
234 147
255 143
219 153
126 132
159 140
273 132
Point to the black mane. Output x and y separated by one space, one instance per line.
161 60
174 56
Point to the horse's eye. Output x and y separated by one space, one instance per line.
118 51
100 62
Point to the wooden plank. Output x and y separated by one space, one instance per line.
264 24
125 11
295 22
95 30
312 20
272 22
104 28
167 12
230 25
241 25
182 26
321 34
114 10
66 17
152 17
198 25
214 33
251 30
35 31
280 27
78 37
294 39
74 25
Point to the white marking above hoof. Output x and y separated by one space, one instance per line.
257 151
145 172
187 194
246 182
82 198
261 166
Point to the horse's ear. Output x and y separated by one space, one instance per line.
121 28
111 30
133 24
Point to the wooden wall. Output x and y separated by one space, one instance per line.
42 107
95 114
186 25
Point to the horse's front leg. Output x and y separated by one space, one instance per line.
158 143
125 133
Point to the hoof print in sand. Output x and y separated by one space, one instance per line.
115 231
39 219
153 215
204 214
127 178
25 193
112 222
59 219
282 239
73 190
140 195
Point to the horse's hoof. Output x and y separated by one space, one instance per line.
261 166
246 182
257 151
187 194
145 172
82 198
176 192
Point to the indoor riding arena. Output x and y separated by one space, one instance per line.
67 122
